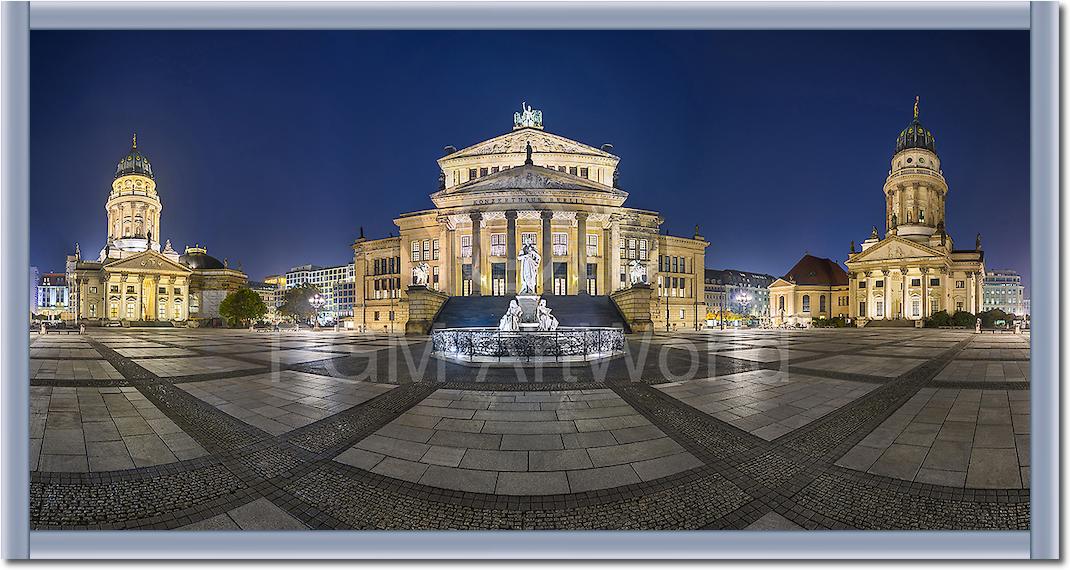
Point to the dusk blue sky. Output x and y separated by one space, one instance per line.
272 148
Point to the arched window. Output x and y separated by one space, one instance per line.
821 304
806 304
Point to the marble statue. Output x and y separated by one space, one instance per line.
977 243
529 268
636 272
510 321
419 273
547 322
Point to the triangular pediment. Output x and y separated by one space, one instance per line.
894 247
146 262
780 282
517 141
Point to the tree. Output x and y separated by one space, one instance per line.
939 319
242 306
963 319
295 302
992 318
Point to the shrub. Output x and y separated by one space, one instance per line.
939 319
963 319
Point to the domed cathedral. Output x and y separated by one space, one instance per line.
133 279
530 189
914 270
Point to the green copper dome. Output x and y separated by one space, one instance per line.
915 135
134 163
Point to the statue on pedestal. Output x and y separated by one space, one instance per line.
510 321
636 272
529 268
419 274
547 322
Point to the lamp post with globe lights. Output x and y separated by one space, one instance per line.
317 302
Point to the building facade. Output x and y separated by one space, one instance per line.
529 187
334 284
52 296
914 270
815 287
133 279
1003 290
741 292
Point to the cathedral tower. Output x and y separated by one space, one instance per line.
133 207
915 190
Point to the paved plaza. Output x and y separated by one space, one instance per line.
754 429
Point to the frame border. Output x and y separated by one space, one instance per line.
1039 17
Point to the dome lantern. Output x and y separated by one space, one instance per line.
134 162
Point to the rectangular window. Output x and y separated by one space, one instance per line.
93 290
376 315
427 250
960 284
879 283
129 289
560 241
592 245
92 309
466 279
527 238
592 279
572 170
583 172
861 284
434 249
560 272
497 245
466 246
958 306
880 308
915 282
415 250
683 265
471 176
162 290
482 172
821 304
862 308
915 307
434 277
934 306
497 279
632 248
642 249
493 169
934 282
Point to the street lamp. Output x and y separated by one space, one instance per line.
744 300
317 302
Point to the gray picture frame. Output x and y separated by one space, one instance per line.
1041 18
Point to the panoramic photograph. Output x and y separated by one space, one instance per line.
519 280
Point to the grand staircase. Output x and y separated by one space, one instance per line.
891 323
570 310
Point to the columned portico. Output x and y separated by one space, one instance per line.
477 258
547 265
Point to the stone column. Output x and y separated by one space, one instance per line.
477 260
510 252
887 301
925 293
613 253
547 253
969 293
581 251
904 271
448 273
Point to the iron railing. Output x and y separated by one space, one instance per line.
489 342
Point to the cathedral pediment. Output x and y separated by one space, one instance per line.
147 262
517 141
894 247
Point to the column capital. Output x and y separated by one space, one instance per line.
511 214
904 270
924 270
886 272
582 215
546 214
476 216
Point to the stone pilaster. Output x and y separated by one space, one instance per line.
477 257
581 252
510 252
547 253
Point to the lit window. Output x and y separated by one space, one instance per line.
592 245
415 251
434 249
466 246
806 303
560 243
527 238
427 249
497 244
583 172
